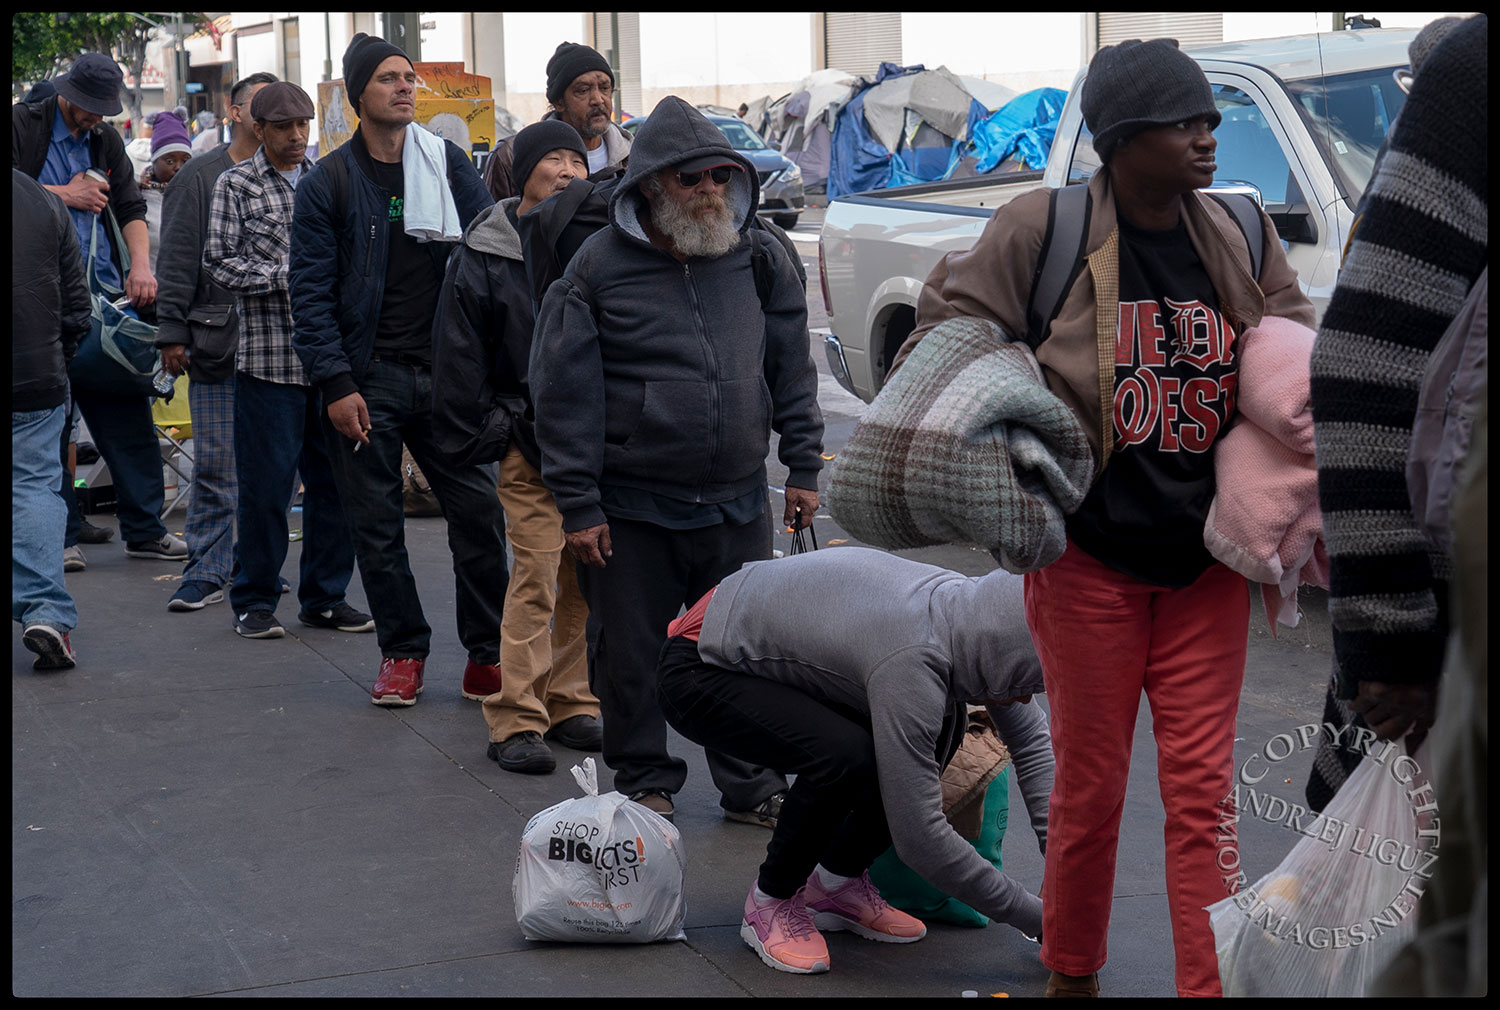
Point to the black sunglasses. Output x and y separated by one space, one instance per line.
720 175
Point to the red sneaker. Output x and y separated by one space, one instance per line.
399 683
480 681
856 905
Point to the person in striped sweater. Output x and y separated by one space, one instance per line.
1419 247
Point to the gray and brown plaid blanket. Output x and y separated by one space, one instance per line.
965 444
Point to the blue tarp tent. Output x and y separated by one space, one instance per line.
939 128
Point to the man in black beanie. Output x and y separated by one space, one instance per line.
365 272
580 87
483 413
1166 267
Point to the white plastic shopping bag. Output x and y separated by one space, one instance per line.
1343 902
600 869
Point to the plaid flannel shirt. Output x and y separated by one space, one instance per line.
248 249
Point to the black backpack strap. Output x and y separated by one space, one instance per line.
1246 216
760 262
1060 261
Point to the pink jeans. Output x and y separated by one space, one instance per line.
1103 637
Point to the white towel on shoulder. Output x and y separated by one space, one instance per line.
430 213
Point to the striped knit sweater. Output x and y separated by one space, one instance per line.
1419 247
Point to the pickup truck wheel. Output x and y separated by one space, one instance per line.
786 222
897 328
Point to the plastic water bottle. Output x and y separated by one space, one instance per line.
163 381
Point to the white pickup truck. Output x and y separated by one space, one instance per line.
1303 119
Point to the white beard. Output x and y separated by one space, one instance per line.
693 234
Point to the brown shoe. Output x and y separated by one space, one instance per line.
1060 985
656 800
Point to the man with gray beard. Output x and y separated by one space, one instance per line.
673 345
580 89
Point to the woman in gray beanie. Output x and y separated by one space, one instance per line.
1144 351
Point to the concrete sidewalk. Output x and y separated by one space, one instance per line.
199 814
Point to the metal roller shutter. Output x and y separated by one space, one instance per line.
1188 29
627 61
858 43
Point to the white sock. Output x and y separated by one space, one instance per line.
761 897
831 881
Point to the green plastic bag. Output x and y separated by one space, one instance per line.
901 886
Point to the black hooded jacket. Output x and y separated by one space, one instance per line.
668 376
49 295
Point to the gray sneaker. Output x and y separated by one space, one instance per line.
168 548
73 559
763 816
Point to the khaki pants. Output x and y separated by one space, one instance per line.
543 653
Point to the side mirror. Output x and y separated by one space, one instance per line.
1294 222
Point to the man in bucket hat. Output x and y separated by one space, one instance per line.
59 141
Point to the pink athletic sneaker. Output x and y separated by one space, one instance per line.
856 905
782 933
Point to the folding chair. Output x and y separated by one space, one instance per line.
174 426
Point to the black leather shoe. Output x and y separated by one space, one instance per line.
582 732
523 753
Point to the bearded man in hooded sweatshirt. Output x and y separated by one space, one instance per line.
673 345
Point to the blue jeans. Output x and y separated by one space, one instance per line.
276 435
38 517
212 503
399 399
125 437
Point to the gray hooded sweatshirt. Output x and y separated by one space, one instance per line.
668 376
908 644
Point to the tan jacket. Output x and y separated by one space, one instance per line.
993 281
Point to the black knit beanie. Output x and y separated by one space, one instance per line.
360 60
1136 85
532 144
570 60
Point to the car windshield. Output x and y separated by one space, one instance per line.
741 137
1348 116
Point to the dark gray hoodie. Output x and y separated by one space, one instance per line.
667 376
909 644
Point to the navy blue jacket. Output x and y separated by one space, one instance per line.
337 269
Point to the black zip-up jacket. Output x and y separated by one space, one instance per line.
49 295
481 340
668 376
31 135
337 269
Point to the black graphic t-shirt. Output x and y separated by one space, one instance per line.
1175 374
412 279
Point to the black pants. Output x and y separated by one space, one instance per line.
833 813
654 572
399 399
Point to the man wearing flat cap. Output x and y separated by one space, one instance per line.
277 427
373 228
672 347
580 88
57 141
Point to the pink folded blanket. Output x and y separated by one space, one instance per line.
1264 521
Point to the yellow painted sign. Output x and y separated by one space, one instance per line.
455 105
